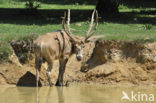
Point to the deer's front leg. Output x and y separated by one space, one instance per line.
63 63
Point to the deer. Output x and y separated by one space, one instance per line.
60 45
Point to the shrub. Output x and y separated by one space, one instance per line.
148 26
32 4
5 51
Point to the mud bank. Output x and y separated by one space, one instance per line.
105 62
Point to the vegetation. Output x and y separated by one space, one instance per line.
32 4
133 23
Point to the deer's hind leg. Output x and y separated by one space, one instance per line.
50 65
38 63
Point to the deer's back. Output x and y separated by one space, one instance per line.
53 45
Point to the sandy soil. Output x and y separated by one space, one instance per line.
105 62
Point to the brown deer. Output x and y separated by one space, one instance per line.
60 45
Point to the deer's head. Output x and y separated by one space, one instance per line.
77 42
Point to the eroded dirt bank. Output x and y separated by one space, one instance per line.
106 62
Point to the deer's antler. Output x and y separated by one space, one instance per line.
68 30
89 33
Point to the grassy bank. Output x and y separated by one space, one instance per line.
16 22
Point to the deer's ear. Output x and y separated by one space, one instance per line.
87 41
82 42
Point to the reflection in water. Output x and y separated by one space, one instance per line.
71 94
48 96
60 95
37 97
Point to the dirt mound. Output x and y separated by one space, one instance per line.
122 62
107 62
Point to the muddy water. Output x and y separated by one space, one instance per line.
77 94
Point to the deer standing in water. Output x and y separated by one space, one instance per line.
60 45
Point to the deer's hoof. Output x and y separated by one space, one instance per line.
67 83
51 84
59 84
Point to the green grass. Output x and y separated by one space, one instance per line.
133 24
131 28
47 6
109 30
131 32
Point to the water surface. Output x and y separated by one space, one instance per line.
74 94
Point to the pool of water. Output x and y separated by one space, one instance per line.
78 94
